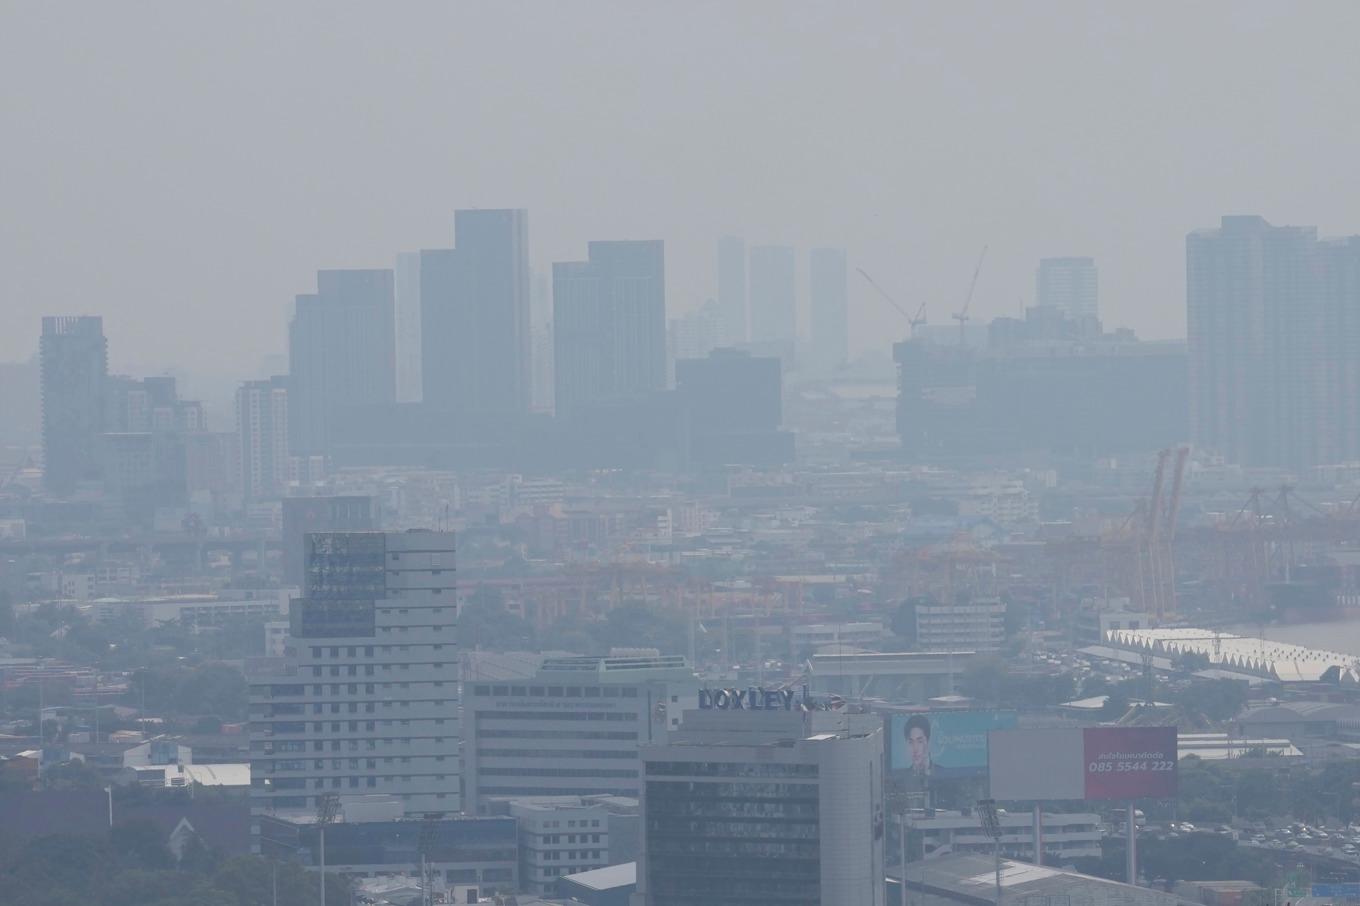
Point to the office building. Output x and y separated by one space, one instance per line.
1070 286
490 350
977 624
450 309
732 291
365 700
75 367
764 807
143 472
774 301
302 515
262 432
572 729
1273 321
564 835
1087 397
1063 835
406 327
693 335
341 353
609 324
734 402
829 308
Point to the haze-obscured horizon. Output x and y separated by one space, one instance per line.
185 172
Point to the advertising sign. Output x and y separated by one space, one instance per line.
1130 762
1091 763
944 744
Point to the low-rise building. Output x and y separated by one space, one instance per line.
978 624
1063 835
469 859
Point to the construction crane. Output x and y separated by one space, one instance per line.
962 314
914 320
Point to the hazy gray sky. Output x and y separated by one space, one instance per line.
184 168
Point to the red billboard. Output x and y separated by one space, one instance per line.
1130 762
1071 763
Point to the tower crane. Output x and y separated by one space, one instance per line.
913 320
962 314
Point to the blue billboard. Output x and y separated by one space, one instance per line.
944 744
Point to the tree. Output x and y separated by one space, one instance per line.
484 622
1215 700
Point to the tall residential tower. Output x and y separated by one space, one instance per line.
75 369
1274 334
341 353
609 322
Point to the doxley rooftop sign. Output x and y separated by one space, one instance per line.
752 699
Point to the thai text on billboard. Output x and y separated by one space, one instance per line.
1083 763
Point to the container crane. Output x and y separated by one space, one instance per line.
962 315
913 320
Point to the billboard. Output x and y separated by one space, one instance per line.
1083 763
944 744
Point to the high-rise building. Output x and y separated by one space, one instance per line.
1273 319
764 807
262 432
734 404
774 301
1069 285
830 310
406 331
75 367
732 290
365 700
476 327
571 729
341 353
609 324
693 335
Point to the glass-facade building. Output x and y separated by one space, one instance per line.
365 700
762 808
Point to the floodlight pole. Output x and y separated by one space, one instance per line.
1132 844
991 826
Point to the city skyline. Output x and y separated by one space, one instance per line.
1111 141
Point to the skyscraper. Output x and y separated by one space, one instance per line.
609 324
774 301
365 699
262 432
1069 285
1273 318
829 309
732 290
476 327
341 351
75 369
407 333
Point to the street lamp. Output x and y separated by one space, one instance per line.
327 805
991 826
